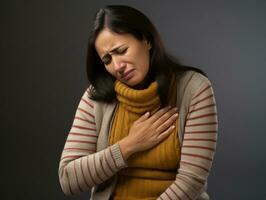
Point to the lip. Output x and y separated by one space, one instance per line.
126 76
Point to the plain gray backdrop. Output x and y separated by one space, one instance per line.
43 54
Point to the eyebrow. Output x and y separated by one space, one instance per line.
113 50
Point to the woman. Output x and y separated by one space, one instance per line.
146 126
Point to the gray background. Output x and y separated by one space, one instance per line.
43 50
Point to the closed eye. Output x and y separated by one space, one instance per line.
108 58
121 50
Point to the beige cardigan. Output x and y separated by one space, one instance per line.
88 163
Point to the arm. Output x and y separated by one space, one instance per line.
81 167
198 147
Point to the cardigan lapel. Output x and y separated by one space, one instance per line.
104 119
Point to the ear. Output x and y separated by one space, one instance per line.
149 44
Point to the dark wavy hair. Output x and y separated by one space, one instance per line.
124 19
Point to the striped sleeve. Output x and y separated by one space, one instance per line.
198 147
81 167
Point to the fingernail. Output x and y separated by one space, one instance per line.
167 108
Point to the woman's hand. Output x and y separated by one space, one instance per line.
148 131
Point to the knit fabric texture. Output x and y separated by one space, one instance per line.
151 172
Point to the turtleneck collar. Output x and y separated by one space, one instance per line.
138 101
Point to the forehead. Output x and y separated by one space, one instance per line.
108 39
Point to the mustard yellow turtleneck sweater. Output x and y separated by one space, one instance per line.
150 172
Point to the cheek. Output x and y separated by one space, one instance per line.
109 70
145 62
140 57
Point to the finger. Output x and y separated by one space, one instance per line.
158 114
167 123
143 117
164 118
166 133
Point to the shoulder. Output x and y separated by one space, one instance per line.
99 106
87 101
191 84
193 81
89 90
101 111
194 78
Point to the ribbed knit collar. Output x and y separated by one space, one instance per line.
138 101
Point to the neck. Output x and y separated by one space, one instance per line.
137 101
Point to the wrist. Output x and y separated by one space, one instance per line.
126 148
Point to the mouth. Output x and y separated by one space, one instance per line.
128 75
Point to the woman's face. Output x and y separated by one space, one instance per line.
124 56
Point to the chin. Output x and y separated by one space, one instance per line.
131 82
134 82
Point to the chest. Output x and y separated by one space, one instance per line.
164 156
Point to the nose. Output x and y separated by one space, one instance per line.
119 65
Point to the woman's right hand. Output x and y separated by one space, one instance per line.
148 131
